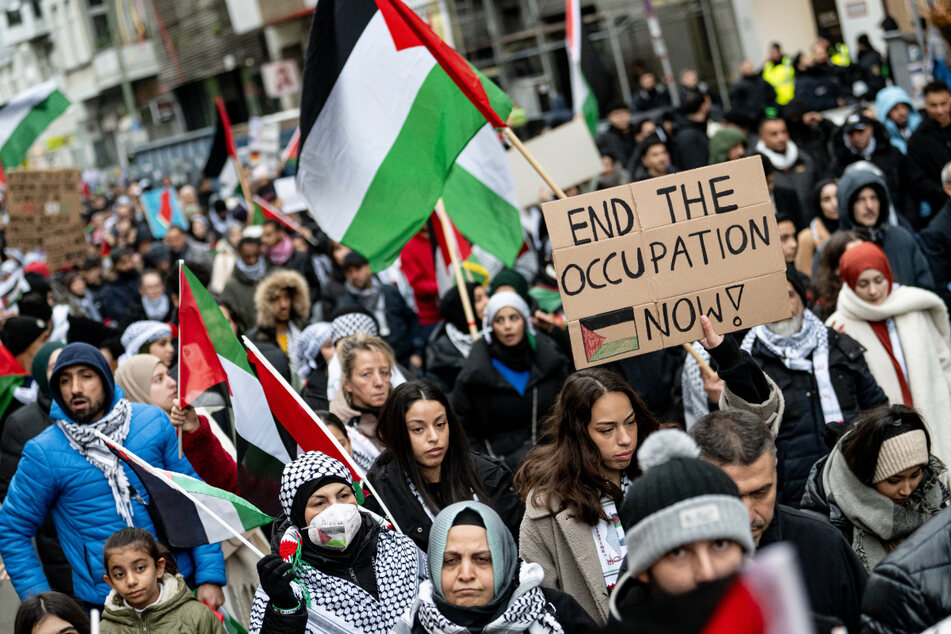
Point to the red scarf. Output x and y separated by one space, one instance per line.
881 331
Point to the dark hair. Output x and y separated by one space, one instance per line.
649 141
767 164
732 437
564 470
274 224
693 100
248 240
768 119
639 125
34 610
827 283
142 539
871 428
817 197
331 419
458 479
935 87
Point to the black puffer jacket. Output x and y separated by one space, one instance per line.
804 436
498 419
834 577
390 484
929 148
910 590
444 362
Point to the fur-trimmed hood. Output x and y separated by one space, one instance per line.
278 279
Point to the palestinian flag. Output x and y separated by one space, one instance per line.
223 148
582 99
162 210
25 117
480 197
303 425
186 511
387 108
289 155
609 334
11 377
263 210
214 367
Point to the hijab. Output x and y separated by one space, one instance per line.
134 376
450 306
505 564
862 257
40 361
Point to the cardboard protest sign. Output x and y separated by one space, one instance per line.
44 208
568 153
639 264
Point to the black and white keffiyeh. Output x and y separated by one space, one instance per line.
114 425
527 611
308 346
337 605
353 323
804 351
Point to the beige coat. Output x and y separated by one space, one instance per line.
923 330
564 548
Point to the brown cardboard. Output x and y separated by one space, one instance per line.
741 183
593 278
713 250
590 218
44 208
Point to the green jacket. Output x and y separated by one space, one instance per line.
177 612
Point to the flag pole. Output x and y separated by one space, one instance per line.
351 463
704 366
514 140
170 482
457 270
181 273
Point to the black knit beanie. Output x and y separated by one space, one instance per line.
19 333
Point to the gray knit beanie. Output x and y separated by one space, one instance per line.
501 544
680 499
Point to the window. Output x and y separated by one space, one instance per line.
100 32
37 8
14 18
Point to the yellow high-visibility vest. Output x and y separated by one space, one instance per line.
782 77
840 55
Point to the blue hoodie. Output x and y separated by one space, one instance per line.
887 99
54 478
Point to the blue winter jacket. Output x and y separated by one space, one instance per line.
885 100
53 477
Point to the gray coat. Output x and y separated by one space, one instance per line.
564 548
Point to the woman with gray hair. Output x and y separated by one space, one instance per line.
478 584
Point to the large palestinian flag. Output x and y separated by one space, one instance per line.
387 108
214 370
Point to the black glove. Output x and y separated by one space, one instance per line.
276 576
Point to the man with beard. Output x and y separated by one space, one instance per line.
67 472
739 443
249 267
794 170
824 380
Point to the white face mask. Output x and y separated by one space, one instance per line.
335 527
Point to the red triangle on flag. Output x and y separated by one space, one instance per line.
592 341
409 30
199 367
165 208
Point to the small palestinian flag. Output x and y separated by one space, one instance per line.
188 511
11 377
266 211
609 334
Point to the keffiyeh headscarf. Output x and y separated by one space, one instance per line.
309 343
353 323
334 604
141 333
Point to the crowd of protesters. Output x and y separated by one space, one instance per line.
529 497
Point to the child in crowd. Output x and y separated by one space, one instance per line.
148 595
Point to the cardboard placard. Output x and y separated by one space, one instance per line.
45 213
568 153
639 264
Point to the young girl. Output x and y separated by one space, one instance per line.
148 594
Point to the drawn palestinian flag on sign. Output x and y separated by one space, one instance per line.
609 334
